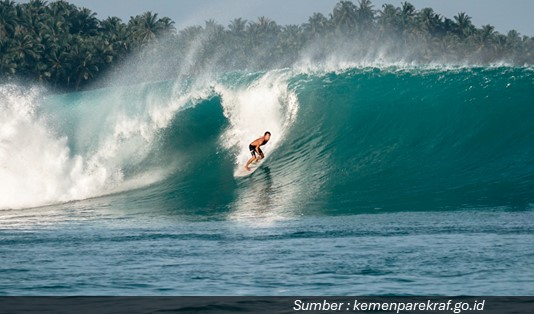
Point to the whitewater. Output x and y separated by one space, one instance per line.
378 179
354 133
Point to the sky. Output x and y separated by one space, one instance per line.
504 15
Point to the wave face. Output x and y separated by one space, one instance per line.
344 142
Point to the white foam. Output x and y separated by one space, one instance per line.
37 166
265 105
116 130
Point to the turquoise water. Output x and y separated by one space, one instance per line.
391 180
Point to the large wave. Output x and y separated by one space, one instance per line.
345 141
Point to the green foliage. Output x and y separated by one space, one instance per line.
68 47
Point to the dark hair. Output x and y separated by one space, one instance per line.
267 133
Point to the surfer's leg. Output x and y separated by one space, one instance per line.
249 161
253 153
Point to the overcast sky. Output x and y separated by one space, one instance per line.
504 15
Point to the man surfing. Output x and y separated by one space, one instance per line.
254 148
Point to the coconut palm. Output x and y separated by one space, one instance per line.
26 49
148 27
84 22
317 25
486 35
214 29
366 14
389 19
8 18
345 17
8 64
291 40
83 65
56 61
407 14
463 25
237 27
69 46
429 21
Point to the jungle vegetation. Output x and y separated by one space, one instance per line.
68 48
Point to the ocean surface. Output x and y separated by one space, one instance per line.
378 180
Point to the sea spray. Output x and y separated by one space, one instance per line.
354 140
63 148
265 104
36 164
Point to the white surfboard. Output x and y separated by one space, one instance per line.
241 172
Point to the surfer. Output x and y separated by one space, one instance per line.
254 148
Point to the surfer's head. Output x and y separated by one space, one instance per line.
267 135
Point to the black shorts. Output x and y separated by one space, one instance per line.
253 150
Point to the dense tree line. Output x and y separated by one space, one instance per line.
68 47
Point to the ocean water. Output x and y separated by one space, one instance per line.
378 180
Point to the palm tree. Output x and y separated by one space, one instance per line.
115 33
513 39
237 27
389 19
83 64
112 26
84 22
429 21
25 49
407 15
290 42
214 28
408 24
69 46
62 14
262 31
366 14
56 60
267 25
8 64
463 25
34 13
8 18
487 34
148 27
167 26
235 52
316 26
190 34
345 17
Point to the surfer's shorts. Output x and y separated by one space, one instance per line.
253 151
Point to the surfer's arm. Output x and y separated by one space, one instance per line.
259 152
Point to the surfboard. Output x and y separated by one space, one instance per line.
241 172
